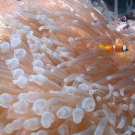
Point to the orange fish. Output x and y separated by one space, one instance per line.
117 48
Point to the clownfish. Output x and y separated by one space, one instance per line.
117 47
130 16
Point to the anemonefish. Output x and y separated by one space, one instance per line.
130 16
117 47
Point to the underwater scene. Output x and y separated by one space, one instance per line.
126 8
67 67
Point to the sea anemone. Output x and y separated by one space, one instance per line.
55 80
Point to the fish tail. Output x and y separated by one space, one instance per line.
101 46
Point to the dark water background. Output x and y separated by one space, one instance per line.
122 8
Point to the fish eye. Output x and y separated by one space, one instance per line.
124 18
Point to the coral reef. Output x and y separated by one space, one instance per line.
54 78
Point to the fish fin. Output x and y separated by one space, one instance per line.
122 54
101 46
119 44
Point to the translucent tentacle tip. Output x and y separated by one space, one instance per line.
38 70
64 112
47 119
15 42
5 47
19 54
38 63
78 115
22 82
12 63
88 104
17 73
39 79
